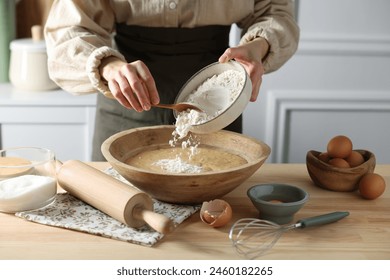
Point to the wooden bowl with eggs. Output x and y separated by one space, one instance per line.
341 179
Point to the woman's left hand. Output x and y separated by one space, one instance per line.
250 55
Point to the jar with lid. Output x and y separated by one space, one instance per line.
28 63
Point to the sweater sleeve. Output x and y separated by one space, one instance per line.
78 37
274 21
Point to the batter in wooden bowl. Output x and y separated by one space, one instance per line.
178 160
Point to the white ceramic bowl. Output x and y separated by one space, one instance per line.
233 111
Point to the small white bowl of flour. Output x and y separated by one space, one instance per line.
219 110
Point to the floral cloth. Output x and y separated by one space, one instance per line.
71 213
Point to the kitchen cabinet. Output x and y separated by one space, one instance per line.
53 119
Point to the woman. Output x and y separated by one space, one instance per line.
158 45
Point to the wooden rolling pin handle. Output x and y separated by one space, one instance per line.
156 221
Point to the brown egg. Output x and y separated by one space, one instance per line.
339 162
216 213
355 159
324 157
339 147
372 186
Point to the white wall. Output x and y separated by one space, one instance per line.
337 83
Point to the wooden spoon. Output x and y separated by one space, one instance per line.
177 106
183 106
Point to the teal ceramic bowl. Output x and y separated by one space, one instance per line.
277 202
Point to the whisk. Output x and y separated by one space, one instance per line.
254 237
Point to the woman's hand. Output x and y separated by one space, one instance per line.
250 55
131 84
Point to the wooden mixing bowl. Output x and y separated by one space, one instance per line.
338 179
183 188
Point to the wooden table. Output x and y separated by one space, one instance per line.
365 234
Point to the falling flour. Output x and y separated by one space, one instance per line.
233 82
190 158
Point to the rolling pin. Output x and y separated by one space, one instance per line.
111 196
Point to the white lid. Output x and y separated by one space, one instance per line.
28 45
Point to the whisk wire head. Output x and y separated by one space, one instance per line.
254 237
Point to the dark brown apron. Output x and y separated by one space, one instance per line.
172 55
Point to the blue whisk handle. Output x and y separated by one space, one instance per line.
322 219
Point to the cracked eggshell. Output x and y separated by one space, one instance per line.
216 213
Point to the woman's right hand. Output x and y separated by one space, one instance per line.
131 84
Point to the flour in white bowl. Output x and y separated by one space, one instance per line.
231 80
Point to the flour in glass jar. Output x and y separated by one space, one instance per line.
26 192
